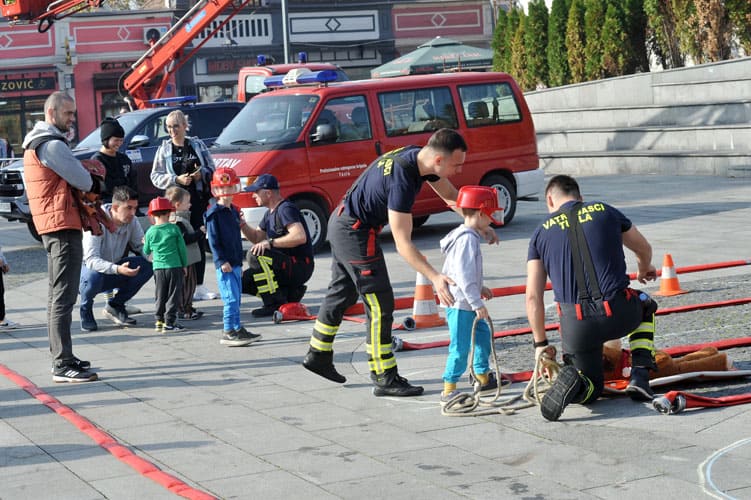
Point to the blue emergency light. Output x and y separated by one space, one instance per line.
302 57
174 100
261 60
310 77
323 76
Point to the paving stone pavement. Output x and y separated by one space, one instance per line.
252 423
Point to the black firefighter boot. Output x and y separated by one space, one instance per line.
390 383
271 302
322 363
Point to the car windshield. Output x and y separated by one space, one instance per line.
128 121
269 119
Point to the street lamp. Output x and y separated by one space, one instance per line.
285 35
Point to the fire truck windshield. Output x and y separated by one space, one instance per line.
270 119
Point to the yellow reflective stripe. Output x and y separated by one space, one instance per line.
641 344
321 345
385 349
325 329
375 331
590 388
267 275
644 328
385 364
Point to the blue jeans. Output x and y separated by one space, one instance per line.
230 289
93 282
460 328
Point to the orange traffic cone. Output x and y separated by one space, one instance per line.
425 310
669 279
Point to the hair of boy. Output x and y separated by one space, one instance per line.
176 194
123 194
468 212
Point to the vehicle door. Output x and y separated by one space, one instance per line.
410 117
341 144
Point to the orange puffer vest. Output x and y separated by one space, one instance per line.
51 201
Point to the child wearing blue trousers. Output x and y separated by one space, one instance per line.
463 264
223 223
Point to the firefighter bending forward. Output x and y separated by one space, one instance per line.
384 193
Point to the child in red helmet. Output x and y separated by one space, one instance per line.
463 264
165 245
223 223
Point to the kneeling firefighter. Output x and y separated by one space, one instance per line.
280 261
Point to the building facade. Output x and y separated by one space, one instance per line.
88 54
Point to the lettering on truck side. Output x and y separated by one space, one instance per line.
343 171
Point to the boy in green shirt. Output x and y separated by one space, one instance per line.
166 247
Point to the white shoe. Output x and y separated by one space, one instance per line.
128 309
7 324
132 309
202 293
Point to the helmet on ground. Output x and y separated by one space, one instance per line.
160 204
482 198
224 177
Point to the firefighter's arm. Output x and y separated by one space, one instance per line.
637 243
536 278
401 229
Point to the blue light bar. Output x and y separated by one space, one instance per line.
274 81
174 100
323 76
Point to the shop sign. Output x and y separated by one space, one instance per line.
21 84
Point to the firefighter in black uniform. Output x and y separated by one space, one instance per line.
580 247
384 193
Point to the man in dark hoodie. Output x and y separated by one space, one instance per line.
52 172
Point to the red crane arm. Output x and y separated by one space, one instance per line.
165 56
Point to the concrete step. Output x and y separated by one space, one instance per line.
708 138
721 163
687 115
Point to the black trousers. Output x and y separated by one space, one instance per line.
582 338
276 277
169 293
358 269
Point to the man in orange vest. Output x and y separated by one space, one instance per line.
51 172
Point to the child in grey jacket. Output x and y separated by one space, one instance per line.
463 265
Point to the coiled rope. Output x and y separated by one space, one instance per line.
474 405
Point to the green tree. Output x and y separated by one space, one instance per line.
558 73
636 28
513 18
739 12
500 49
615 49
713 30
594 18
575 40
536 42
519 55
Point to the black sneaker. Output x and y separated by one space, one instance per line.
173 328
638 387
239 338
78 363
566 386
398 387
118 315
88 323
322 363
492 384
264 312
72 373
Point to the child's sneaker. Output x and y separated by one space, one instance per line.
492 384
239 338
7 324
173 328
159 327
457 400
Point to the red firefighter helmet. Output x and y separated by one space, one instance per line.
224 177
483 198
160 204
